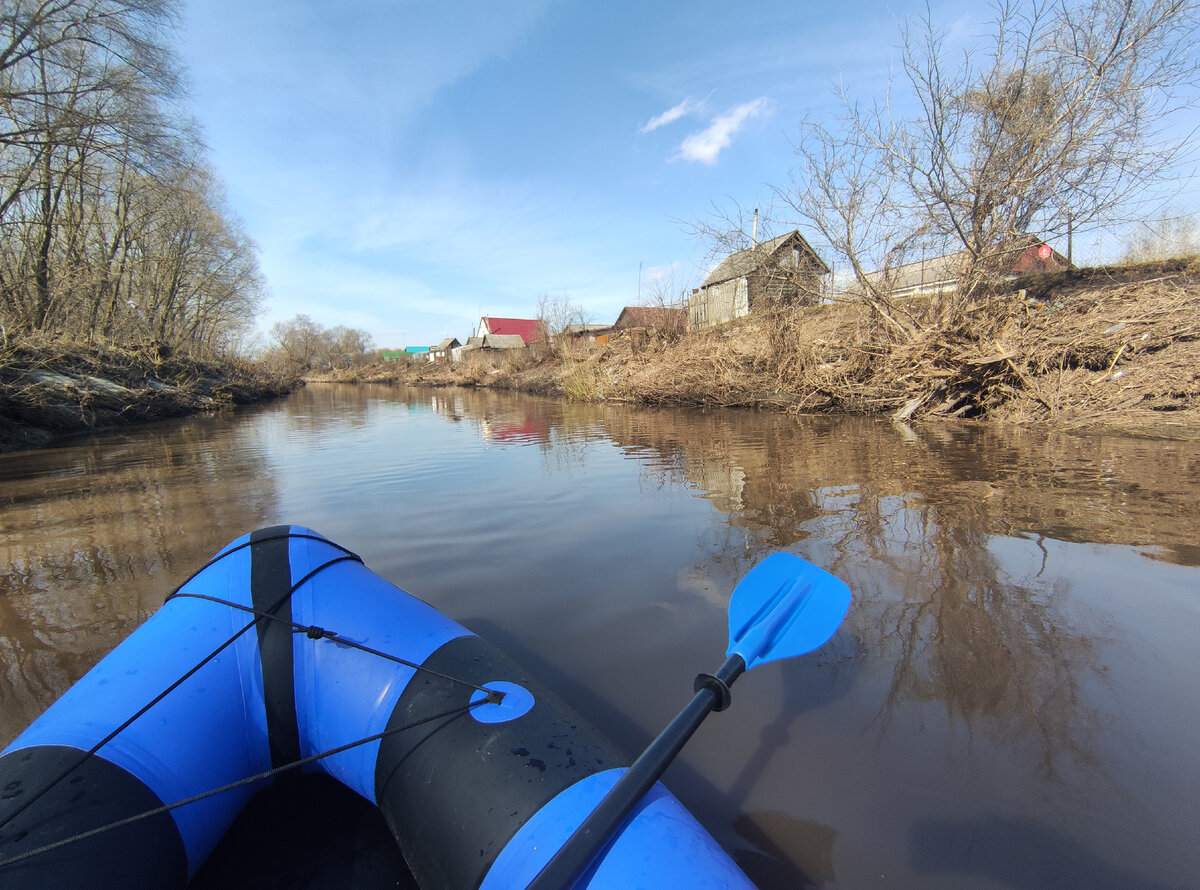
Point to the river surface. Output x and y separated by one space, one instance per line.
1013 700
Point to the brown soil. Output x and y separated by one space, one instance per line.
1115 348
50 389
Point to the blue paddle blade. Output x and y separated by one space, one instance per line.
784 607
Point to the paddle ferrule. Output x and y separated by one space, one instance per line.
719 682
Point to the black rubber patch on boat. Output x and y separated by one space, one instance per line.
455 791
146 853
270 581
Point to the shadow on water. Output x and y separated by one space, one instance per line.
1016 853
780 842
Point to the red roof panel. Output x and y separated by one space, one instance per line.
528 329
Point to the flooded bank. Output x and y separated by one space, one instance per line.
1010 702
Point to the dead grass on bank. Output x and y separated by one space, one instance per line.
1117 348
1092 348
1125 353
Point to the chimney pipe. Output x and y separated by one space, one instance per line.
754 232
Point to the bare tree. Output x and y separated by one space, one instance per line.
302 344
111 225
556 314
1060 117
1170 234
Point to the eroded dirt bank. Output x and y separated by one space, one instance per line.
50 390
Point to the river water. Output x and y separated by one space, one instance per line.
1013 700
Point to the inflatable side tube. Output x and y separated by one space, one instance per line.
145 853
485 798
250 695
282 648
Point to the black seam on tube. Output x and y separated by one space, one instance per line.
270 582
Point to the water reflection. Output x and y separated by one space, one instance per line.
996 686
93 535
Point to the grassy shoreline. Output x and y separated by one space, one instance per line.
51 390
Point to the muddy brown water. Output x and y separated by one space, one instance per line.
1013 700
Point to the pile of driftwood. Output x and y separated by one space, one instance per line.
1080 348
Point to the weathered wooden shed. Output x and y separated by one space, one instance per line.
442 352
503 341
782 270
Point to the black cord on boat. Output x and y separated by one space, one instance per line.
213 792
313 632
232 550
128 722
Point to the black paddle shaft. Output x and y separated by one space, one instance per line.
593 836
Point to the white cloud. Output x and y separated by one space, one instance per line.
686 107
707 144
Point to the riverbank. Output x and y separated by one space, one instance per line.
1112 348
50 389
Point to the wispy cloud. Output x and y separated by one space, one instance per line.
707 144
684 108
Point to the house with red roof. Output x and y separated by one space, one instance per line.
941 274
528 329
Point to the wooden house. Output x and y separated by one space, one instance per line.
783 270
442 352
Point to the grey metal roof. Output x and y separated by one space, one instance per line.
503 341
742 263
585 328
940 271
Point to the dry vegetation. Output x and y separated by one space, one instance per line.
1116 348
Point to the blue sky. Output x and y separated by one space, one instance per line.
406 167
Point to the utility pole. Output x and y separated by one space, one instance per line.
1070 237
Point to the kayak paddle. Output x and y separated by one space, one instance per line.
783 607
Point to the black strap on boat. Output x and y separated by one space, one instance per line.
312 631
271 534
270 592
213 792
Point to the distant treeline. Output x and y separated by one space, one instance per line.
113 228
